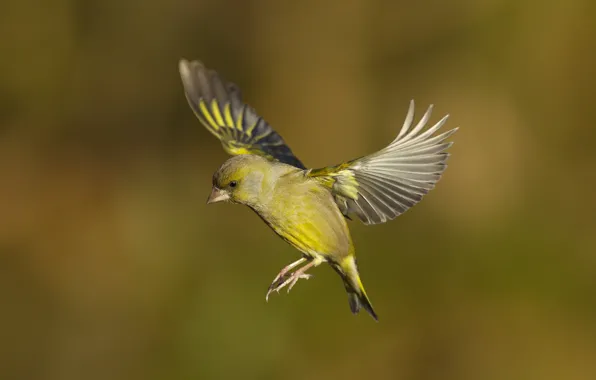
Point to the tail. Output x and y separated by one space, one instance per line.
357 297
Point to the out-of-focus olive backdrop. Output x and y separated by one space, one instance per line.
113 267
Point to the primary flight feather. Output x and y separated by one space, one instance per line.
308 207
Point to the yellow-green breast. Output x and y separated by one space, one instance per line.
305 214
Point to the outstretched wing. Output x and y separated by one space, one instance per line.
385 184
219 107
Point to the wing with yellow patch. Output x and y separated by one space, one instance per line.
385 184
219 107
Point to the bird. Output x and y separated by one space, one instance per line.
310 208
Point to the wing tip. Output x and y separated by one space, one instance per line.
184 69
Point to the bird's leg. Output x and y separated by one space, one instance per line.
285 271
279 279
300 273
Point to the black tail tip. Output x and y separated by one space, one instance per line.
356 303
370 311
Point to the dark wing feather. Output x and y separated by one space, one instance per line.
219 107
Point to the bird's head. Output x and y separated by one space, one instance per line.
241 179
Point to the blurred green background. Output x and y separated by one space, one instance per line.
113 267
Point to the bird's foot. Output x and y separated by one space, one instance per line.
282 273
281 282
293 280
281 277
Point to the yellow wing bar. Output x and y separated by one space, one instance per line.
219 107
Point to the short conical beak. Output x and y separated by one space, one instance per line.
217 195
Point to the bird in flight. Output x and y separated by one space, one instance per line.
308 208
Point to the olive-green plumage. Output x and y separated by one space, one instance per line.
308 208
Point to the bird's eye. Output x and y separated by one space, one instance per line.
233 184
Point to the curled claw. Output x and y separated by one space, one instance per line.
295 279
284 279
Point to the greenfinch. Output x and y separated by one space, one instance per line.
308 208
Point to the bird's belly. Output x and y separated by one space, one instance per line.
313 231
